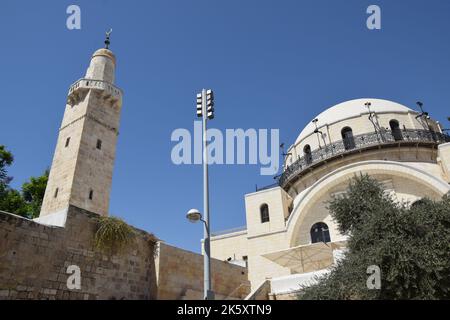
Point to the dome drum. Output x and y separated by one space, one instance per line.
357 144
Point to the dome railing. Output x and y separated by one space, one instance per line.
356 144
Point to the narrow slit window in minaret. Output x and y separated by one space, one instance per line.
99 144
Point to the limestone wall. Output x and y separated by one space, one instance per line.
34 260
278 202
180 276
230 246
262 292
444 160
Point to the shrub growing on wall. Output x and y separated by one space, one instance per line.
113 234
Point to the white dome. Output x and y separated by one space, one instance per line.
351 109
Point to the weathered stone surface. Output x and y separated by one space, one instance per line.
179 275
145 270
28 271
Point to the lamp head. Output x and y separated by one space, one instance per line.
194 215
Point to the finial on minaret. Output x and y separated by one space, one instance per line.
107 42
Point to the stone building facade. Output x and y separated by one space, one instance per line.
290 235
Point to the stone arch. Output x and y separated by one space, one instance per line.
309 197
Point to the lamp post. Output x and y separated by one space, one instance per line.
194 216
426 116
321 134
205 110
423 114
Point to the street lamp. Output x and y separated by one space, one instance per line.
194 216
321 134
422 112
205 110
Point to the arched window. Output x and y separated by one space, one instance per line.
395 130
264 211
307 152
320 233
347 138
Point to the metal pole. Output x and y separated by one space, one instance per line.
208 294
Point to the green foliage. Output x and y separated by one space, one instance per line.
12 201
411 245
26 203
113 234
364 198
6 159
33 193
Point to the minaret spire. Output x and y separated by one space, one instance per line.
107 42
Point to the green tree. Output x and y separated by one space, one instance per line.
6 159
410 245
33 193
12 201
26 203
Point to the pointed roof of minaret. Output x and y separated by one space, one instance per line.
106 51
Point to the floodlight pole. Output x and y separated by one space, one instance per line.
207 292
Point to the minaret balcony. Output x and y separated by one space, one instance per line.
109 92
358 144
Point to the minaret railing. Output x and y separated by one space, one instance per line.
95 84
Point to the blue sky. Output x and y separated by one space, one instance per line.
272 64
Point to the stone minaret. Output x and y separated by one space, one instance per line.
81 172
